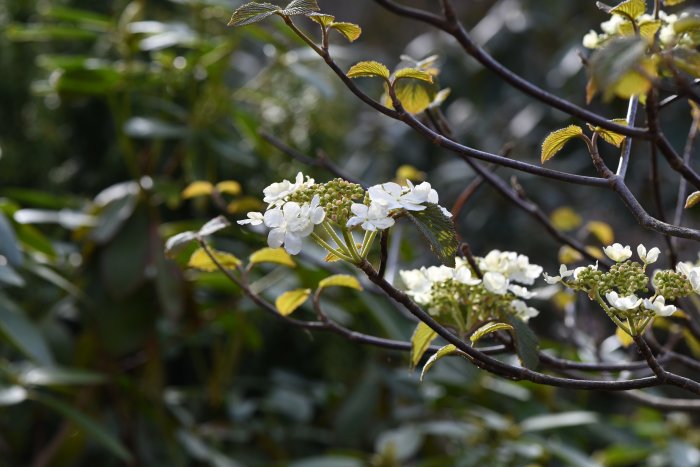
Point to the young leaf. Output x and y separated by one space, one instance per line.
230 187
290 301
608 136
525 343
213 226
350 31
300 7
556 140
438 230
413 73
692 199
322 19
368 69
446 350
201 260
340 280
420 341
488 328
272 255
252 13
624 338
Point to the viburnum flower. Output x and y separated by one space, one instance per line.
373 217
659 307
648 257
629 302
617 252
291 223
254 218
277 193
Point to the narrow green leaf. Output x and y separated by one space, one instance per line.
525 343
414 73
9 248
368 69
488 328
340 280
272 255
692 199
446 350
22 333
608 136
420 341
89 426
322 19
201 260
350 31
300 7
438 230
291 300
252 13
556 140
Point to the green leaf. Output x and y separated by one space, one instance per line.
556 140
11 395
420 341
525 343
438 230
414 73
629 8
350 31
272 255
608 136
300 7
252 13
201 260
368 69
322 19
9 248
340 280
89 426
488 328
291 300
443 351
692 199
22 333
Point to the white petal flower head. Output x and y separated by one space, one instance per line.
648 257
463 275
630 302
617 252
659 307
254 218
563 274
495 282
373 217
523 311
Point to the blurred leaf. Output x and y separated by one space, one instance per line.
30 375
11 395
443 351
349 30
252 13
213 226
624 338
9 276
196 189
692 199
291 300
556 140
300 7
89 426
565 218
525 343
9 248
369 69
340 280
420 342
438 230
22 333
201 260
272 255
602 231
488 328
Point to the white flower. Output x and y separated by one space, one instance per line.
523 311
291 223
629 302
648 257
372 217
495 282
617 252
563 274
277 193
659 307
254 218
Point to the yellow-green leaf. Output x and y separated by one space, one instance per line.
624 338
201 260
608 136
692 200
322 19
488 328
602 231
557 139
368 69
630 8
272 255
230 187
198 188
414 73
446 350
350 31
565 218
340 280
420 341
291 300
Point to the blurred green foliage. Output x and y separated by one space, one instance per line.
111 355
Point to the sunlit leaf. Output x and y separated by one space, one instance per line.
272 255
556 140
692 199
624 338
322 19
443 351
230 187
252 13
350 31
300 7
201 260
602 231
420 342
413 73
368 69
340 280
291 300
488 328
565 218
438 229
198 188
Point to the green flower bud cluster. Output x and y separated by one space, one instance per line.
337 196
672 285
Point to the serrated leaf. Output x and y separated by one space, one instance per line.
525 343
420 341
443 351
368 69
201 260
198 188
565 218
177 241
272 255
488 328
414 73
692 199
556 140
213 226
291 300
340 280
230 187
350 31
624 338
300 7
322 19
252 13
438 230
602 231
629 8
608 136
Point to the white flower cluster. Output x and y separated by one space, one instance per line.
619 25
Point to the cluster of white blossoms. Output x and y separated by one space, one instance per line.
648 26
443 289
